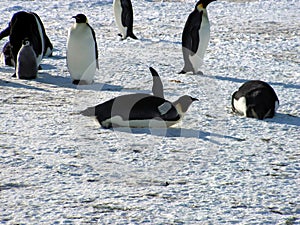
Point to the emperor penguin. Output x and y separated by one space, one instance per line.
27 25
124 18
140 110
255 99
82 51
195 38
26 67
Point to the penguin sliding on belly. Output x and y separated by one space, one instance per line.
124 18
195 38
82 51
255 99
26 62
140 110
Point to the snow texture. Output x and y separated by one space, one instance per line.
215 167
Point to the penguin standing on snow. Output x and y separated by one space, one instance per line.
124 18
26 62
255 99
195 38
82 51
140 110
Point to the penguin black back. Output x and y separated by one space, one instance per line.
195 37
258 98
132 107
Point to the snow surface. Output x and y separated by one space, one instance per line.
58 167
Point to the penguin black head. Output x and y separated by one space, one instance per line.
80 18
202 4
26 41
184 102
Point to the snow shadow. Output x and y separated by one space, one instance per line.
238 80
19 85
178 132
286 119
66 82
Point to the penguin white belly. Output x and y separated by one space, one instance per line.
240 105
149 123
81 57
40 56
204 36
118 17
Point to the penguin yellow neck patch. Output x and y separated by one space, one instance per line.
200 7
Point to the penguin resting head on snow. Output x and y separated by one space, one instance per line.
255 99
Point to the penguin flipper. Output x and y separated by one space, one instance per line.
127 13
157 87
5 32
96 46
190 34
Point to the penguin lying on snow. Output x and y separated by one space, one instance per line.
255 99
140 110
195 37
124 18
26 62
82 51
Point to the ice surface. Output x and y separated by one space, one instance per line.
214 168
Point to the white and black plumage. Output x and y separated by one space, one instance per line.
27 25
82 51
255 99
195 37
6 55
124 18
26 62
140 110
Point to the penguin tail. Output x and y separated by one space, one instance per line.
90 111
182 72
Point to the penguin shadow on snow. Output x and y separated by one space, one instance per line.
238 80
285 119
66 82
20 85
177 133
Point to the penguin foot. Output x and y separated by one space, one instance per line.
80 82
14 75
40 67
133 36
182 72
